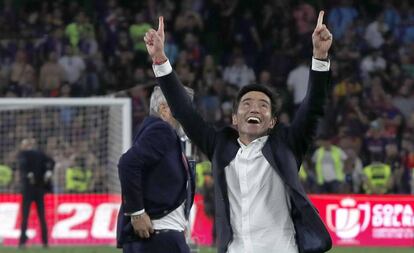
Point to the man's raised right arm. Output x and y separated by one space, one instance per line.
178 100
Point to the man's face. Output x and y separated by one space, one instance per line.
254 116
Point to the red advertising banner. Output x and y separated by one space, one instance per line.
72 219
368 220
90 219
82 219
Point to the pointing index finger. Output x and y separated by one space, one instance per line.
161 23
320 19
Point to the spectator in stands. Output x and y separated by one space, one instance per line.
79 29
373 62
407 146
88 45
297 82
140 103
329 161
78 176
157 185
55 42
265 78
246 35
353 172
404 100
341 17
239 73
22 76
74 67
394 159
64 158
171 48
6 174
305 16
188 21
378 176
375 141
307 176
122 66
136 31
375 32
35 169
210 71
406 28
349 50
195 51
52 76
392 119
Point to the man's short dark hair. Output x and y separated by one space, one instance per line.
273 96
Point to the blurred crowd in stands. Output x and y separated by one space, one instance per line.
365 143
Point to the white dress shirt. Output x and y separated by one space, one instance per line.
174 220
259 204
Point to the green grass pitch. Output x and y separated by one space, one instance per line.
76 249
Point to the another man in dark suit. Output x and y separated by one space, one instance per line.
261 207
157 185
35 169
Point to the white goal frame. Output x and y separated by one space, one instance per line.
94 101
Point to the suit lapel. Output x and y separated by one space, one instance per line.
276 153
229 153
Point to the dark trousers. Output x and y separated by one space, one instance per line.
163 242
30 195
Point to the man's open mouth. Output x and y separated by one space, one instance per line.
253 120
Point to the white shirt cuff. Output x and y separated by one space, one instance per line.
136 213
162 69
318 65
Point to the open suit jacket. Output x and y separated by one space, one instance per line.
283 150
153 176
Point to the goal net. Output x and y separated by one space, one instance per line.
85 137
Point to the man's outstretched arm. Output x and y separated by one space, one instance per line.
178 100
304 124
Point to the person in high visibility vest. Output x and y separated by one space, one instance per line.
78 177
329 163
201 169
378 176
307 176
6 175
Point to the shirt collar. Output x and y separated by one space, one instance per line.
258 141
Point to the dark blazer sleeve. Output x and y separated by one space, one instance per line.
304 124
202 134
147 150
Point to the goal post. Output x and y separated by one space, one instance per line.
89 132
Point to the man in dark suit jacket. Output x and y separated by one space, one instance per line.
260 204
157 185
35 169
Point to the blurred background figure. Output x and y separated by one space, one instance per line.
378 176
329 163
35 169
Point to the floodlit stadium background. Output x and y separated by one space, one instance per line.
86 113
